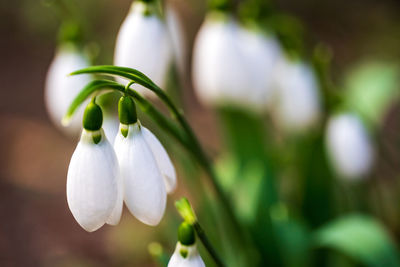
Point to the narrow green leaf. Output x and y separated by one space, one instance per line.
86 92
139 78
133 74
360 237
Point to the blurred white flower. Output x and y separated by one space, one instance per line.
143 44
60 89
93 182
297 96
177 37
349 146
147 172
262 53
232 65
192 257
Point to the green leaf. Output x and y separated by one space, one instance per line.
370 90
86 92
127 73
360 237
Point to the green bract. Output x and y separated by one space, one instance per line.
186 234
127 110
185 210
93 117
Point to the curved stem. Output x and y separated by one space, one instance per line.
207 244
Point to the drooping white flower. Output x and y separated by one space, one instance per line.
147 172
143 44
186 256
219 74
60 89
93 182
298 104
232 65
349 146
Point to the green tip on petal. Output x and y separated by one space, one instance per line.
93 117
186 234
185 210
96 138
184 253
127 110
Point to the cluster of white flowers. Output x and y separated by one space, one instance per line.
245 67
137 171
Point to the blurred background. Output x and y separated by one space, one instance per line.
37 228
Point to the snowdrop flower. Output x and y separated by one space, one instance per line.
60 89
232 64
186 254
93 180
298 104
146 169
349 146
143 44
218 64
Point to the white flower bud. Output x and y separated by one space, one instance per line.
349 146
61 89
93 181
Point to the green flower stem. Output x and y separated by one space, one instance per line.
207 244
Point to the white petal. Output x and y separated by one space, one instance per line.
110 126
92 182
262 53
349 146
193 258
164 162
144 189
143 44
177 37
115 216
297 94
61 89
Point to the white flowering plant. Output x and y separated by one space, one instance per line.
271 198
